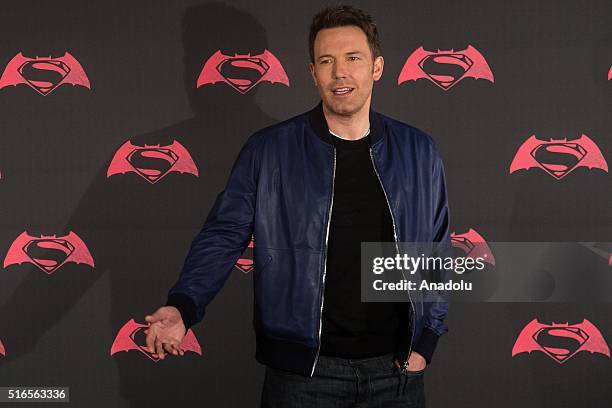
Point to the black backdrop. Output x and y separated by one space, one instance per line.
550 61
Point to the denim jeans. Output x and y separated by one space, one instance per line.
338 382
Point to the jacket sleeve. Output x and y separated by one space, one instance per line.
436 305
224 236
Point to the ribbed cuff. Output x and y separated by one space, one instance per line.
185 306
427 344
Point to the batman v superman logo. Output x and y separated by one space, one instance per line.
245 263
474 246
132 336
242 71
445 68
152 162
558 157
48 252
44 74
560 341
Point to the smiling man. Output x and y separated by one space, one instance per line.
311 189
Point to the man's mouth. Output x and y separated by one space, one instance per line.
342 91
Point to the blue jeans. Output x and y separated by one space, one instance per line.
339 382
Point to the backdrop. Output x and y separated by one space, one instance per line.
120 122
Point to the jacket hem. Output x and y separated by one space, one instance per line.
284 355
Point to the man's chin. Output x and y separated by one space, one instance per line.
342 109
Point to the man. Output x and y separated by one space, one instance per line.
310 190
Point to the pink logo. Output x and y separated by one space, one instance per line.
558 157
48 252
445 68
152 162
132 337
474 245
610 73
44 74
560 341
245 263
242 71
2 349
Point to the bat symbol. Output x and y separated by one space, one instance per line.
44 74
132 337
558 157
560 341
242 71
445 68
152 162
48 252
474 245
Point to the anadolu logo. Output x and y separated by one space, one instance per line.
560 341
445 68
558 157
132 336
474 245
48 252
242 71
152 162
44 74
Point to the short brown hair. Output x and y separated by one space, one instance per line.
344 15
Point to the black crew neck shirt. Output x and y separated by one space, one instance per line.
360 213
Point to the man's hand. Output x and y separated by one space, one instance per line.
416 362
165 333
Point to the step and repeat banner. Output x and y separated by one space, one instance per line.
121 121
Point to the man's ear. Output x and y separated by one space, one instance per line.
311 67
379 64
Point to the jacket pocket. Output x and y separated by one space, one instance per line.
287 294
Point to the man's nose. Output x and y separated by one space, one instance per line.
340 69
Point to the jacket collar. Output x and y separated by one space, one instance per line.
318 123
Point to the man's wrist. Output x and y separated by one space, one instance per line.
427 344
185 306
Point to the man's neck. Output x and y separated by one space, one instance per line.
351 127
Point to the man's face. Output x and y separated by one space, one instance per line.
343 69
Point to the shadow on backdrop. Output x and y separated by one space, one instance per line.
139 234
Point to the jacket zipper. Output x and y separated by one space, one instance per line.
331 203
412 328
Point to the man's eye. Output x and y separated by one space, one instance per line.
325 61
354 58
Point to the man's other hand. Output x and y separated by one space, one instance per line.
165 333
416 362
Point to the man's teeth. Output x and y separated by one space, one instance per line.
342 90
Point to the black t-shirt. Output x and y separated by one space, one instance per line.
360 213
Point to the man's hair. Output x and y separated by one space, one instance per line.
340 16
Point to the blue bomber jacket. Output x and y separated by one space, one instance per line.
280 190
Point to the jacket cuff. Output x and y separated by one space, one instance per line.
185 306
427 344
